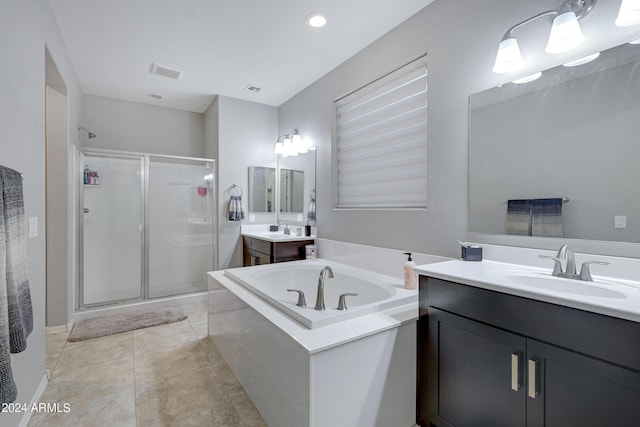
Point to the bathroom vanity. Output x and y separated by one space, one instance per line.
504 352
264 247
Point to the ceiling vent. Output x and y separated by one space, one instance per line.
166 72
253 88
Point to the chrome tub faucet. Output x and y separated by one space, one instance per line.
320 297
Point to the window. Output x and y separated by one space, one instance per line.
380 143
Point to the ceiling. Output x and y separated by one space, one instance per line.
222 46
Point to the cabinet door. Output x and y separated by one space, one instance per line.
476 373
576 390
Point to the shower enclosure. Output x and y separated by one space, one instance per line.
146 228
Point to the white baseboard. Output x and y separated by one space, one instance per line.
34 400
61 328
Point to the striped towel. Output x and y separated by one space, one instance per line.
546 217
235 209
519 217
16 314
311 211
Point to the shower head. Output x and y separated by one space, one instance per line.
91 134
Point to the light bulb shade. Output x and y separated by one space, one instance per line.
508 57
279 148
296 142
529 78
629 13
565 33
582 61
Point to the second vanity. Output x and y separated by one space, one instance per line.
261 246
503 344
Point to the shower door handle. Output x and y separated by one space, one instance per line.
85 210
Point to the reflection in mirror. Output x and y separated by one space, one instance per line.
297 175
570 134
291 190
262 184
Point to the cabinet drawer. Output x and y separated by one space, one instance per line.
289 251
607 338
257 245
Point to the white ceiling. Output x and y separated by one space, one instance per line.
221 45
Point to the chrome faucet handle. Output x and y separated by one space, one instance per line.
566 252
342 303
585 271
301 300
557 267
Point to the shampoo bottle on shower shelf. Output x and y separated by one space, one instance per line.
409 274
86 174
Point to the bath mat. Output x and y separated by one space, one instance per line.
125 322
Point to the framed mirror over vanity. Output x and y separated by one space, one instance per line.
571 134
283 195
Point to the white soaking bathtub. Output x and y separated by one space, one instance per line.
292 371
376 292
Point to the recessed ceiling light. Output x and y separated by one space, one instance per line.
316 20
154 95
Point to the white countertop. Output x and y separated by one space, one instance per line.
276 236
261 231
618 297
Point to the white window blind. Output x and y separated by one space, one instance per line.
381 142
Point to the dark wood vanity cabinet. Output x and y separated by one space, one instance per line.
258 251
492 359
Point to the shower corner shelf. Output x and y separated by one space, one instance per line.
92 185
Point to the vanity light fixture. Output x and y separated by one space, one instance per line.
529 78
629 13
292 144
565 34
581 61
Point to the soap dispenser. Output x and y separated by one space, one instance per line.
409 275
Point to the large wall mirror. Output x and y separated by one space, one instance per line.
573 134
262 189
296 189
288 190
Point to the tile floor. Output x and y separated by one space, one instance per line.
170 375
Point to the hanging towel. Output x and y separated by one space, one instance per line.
311 211
235 208
519 217
16 315
546 217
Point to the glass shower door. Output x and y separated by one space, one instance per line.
180 225
112 241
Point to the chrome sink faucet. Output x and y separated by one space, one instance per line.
285 229
320 297
566 253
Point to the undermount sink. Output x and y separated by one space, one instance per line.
546 281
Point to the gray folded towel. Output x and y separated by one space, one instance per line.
546 217
519 217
